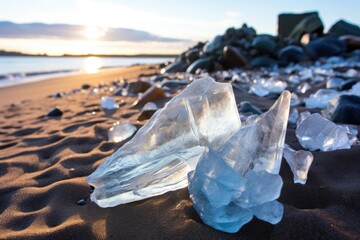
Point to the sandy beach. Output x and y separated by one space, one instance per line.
44 162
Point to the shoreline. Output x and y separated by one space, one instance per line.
48 86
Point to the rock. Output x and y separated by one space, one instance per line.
121 131
158 158
85 86
291 54
246 107
241 179
192 55
325 47
318 133
352 42
152 94
108 103
310 24
179 66
81 202
54 112
343 109
233 58
262 61
213 45
264 43
136 87
348 84
202 63
287 22
299 162
341 28
145 115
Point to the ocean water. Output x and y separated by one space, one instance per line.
18 70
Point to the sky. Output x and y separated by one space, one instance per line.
143 26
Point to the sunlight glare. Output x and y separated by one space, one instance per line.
93 33
92 65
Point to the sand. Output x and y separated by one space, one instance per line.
44 162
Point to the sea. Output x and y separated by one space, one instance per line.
15 70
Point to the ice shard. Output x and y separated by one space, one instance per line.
299 162
316 132
157 159
241 179
121 131
108 103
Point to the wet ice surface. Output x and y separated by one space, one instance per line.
241 179
121 131
158 158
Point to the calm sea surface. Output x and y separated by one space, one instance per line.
18 70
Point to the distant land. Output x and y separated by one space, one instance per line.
20 54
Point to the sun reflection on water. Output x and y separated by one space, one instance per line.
92 65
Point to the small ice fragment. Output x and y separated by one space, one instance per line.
271 212
303 87
302 117
294 115
258 88
351 73
299 162
150 106
321 98
108 103
316 132
262 87
121 131
295 101
334 83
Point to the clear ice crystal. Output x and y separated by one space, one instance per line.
299 162
121 131
108 103
317 132
241 179
295 101
303 87
157 159
262 87
302 117
321 98
293 115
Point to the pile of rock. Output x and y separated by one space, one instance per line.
300 38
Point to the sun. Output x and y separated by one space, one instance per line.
93 33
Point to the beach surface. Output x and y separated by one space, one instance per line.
44 162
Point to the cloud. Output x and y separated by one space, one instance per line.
76 32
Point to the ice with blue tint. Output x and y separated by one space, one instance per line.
241 179
157 159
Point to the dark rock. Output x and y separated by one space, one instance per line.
245 107
233 58
325 47
262 61
288 21
291 53
179 66
342 28
146 114
202 63
58 95
348 84
118 91
192 55
133 88
173 83
311 25
151 95
85 86
213 45
55 112
343 109
352 42
264 43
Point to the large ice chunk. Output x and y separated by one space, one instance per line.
241 179
316 132
299 162
158 158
